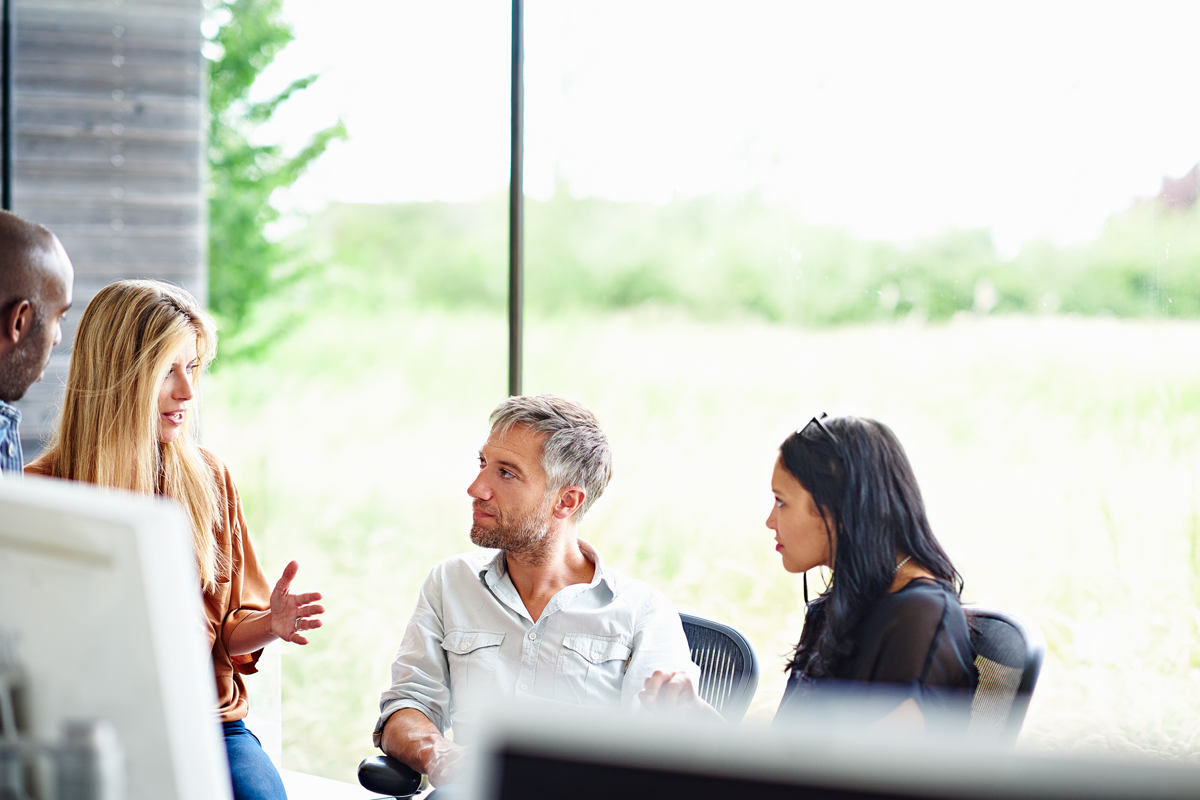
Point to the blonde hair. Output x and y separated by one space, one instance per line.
107 433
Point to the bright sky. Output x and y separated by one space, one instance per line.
895 119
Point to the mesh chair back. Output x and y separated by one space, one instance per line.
728 665
1008 655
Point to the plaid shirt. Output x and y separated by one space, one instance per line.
11 459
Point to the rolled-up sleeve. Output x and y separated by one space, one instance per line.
420 672
249 591
658 644
238 593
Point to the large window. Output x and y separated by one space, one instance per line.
951 218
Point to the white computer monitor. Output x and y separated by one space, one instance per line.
99 602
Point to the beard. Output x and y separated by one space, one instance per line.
525 533
24 366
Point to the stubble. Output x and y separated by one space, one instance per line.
526 534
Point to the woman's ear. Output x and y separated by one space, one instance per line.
569 502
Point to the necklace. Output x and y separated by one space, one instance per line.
901 564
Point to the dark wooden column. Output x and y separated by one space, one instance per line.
516 205
109 150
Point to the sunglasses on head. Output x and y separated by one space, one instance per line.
815 427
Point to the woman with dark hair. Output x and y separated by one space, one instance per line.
846 498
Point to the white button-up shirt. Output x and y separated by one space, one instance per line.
471 640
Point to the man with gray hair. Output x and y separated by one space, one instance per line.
35 293
537 616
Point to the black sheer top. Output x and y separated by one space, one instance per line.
916 641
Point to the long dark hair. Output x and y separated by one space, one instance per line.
858 474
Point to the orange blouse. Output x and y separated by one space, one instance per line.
236 596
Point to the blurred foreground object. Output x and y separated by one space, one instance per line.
101 622
589 755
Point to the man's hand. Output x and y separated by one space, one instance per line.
674 692
409 736
447 763
292 613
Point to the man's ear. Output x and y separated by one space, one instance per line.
17 322
569 502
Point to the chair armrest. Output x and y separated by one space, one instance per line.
386 775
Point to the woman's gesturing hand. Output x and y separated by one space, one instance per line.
293 613
674 692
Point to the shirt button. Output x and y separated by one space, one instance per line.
524 687
532 636
8 449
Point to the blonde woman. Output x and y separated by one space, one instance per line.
128 421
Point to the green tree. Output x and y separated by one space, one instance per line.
244 264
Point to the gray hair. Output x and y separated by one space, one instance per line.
576 453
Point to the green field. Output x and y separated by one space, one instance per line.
1059 459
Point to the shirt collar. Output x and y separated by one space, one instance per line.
10 412
497 568
494 573
602 572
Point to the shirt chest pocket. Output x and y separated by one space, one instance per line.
473 656
591 669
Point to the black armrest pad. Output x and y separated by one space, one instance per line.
386 775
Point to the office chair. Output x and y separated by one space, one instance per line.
1008 654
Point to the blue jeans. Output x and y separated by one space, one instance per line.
254 776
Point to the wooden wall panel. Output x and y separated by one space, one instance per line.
109 150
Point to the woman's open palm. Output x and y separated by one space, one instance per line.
293 613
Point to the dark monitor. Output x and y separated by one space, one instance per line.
586 756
